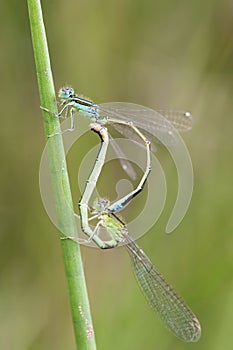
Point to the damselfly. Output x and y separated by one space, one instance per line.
163 299
136 122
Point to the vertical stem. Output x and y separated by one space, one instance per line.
80 308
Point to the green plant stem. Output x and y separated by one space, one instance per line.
80 308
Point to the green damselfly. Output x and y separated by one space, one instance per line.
170 307
163 299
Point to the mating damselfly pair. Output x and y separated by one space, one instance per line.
142 125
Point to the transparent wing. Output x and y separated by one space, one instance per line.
173 311
181 120
128 132
125 164
161 125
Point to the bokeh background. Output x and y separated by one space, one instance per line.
167 54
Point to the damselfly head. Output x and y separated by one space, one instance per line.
100 204
66 93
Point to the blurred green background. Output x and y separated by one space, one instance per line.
167 54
